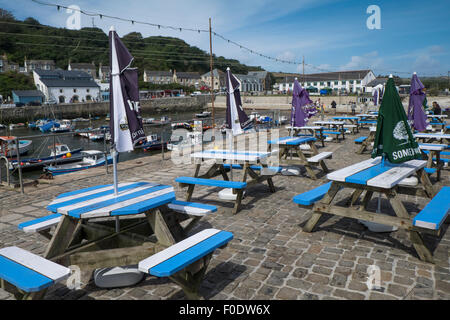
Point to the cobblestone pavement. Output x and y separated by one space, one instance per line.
270 256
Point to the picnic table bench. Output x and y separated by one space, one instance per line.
431 137
314 131
366 141
432 152
91 244
335 128
290 146
371 176
254 171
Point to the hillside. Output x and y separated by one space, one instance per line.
29 39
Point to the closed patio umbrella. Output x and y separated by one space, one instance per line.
300 98
416 114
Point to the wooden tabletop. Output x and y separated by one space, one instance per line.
373 173
250 156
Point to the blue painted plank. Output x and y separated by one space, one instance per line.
363 176
145 205
54 207
310 197
430 170
22 277
332 132
38 220
212 182
436 211
195 205
294 142
254 167
360 139
194 253
76 213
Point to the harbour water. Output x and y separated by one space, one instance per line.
41 146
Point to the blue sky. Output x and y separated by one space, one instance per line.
332 35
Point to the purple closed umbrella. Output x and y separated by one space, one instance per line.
416 115
300 98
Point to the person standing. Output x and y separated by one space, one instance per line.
353 107
333 106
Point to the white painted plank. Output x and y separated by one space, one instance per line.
42 225
432 147
227 155
193 211
175 249
66 209
34 262
393 176
320 156
105 211
88 193
343 173
432 135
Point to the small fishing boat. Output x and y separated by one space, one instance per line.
93 136
46 127
60 153
91 159
16 126
204 114
32 125
80 120
2 126
163 120
8 146
153 143
65 125
181 125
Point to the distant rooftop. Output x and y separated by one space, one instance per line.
66 78
28 93
82 65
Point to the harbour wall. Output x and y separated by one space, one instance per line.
83 110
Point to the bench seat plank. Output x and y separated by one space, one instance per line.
40 224
180 255
319 157
310 197
192 208
360 139
212 182
28 271
254 167
435 212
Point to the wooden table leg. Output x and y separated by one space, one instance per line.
62 237
425 180
401 212
305 163
327 199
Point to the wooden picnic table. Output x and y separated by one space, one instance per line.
353 121
333 124
315 131
254 167
290 146
433 151
367 143
78 240
430 137
371 176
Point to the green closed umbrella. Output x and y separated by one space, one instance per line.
394 138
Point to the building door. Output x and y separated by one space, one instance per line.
62 99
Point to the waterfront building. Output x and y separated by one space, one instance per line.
64 86
28 96
103 73
219 78
158 77
354 81
187 78
6 65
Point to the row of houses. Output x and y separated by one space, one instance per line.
253 81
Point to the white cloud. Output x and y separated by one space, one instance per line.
370 60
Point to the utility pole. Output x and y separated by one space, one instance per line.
212 76
303 63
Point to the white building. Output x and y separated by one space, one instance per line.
340 81
65 86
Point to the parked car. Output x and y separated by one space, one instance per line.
195 93
20 104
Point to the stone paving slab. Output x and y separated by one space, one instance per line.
270 257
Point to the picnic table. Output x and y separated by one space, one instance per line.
430 137
332 125
371 176
85 237
254 166
353 121
291 146
433 153
315 131
366 142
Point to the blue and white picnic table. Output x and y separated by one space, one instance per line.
292 146
336 126
366 141
252 165
353 122
314 131
430 137
371 176
432 151
85 237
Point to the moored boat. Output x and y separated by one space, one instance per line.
8 146
91 159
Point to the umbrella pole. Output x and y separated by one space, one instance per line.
115 183
230 146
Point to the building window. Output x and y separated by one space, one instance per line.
60 90
358 81
351 81
321 83
74 90
87 90
62 99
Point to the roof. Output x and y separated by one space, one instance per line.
248 78
66 78
28 93
216 73
40 61
376 82
258 74
158 73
